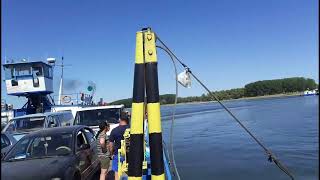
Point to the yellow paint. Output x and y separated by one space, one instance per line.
135 178
122 149
137 117
154 117
145 53
150 53
144 165
159 177
119 166
139 48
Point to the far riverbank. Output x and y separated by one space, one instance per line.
243 98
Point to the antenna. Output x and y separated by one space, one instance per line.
61 79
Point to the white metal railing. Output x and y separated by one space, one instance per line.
73 99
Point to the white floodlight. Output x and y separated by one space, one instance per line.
51 60
185 79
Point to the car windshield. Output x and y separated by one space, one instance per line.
26 124
95 116
41 147
17 137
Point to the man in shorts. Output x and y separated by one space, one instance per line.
115 138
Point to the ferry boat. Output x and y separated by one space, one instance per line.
34 81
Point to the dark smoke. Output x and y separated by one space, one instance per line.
71 84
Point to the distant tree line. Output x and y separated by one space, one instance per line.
278 86
258 88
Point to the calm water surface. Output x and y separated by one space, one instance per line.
208 144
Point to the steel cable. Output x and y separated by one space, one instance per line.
172 159
271 157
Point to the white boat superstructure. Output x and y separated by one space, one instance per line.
34 81
7 112
28 77
310 92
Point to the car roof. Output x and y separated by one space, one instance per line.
56 130
101 107
42 114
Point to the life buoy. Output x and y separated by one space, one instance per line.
66 99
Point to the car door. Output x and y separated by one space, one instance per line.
93 149
82 155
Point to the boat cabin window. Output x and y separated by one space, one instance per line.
37 71
28 69
95 116
47 71
26 124
23 70
9 72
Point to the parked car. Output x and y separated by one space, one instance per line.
19 126
7 140
93 116
53 153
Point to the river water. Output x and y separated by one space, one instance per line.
209 144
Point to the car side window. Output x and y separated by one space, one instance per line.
89 135
57 120
81 139
21 147
52 121
37 147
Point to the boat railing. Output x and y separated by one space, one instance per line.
73 99
5 106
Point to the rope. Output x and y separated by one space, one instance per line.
172 159
270 155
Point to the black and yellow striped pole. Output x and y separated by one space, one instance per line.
153 106
145 80
136 153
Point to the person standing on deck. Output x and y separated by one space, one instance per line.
103 149
115 138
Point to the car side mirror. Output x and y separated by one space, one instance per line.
84 147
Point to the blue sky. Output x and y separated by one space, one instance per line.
227 43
